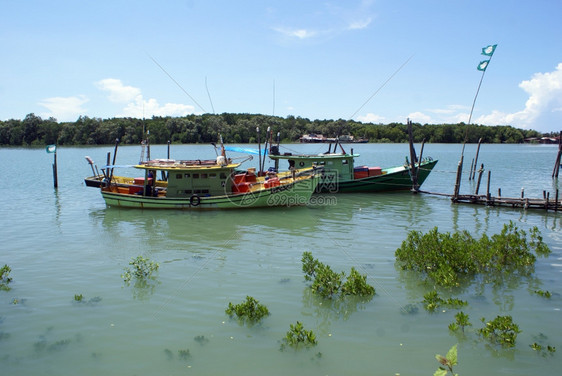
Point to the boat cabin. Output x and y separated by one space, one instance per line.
185 179
340 165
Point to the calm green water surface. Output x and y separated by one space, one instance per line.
65 242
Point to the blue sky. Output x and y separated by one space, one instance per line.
313 59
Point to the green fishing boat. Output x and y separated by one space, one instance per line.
342 176
211 184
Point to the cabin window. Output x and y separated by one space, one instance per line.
223 175
204 176
188 191
178 176
344 161
212 176
195 176
187 176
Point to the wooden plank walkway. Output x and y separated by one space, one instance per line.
544 203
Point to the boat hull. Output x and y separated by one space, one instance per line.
391 179
297 193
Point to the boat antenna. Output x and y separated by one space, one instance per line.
265 145
259 149
223 151
209 94
172 78
273 114
379 89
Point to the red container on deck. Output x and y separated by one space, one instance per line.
140 181
273 182
375 171
135 189
241 188
251 177
361 172
240 178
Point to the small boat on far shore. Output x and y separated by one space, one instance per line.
318 138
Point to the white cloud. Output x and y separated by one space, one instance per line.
64 108
118 92
371 118
359 24
543 109
135 105
147 108
296 33
419 117
327 20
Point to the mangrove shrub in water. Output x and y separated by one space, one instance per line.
298 337
328 283
141 269
251 310
445 258
4 277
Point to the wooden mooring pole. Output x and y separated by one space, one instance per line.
458 181
479 178
476 158
558 156
55 173
488 188
413 169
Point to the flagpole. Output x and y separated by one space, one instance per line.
471 110
474 101
478 90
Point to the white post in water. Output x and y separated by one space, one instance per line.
53 149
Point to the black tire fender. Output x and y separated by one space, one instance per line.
194 200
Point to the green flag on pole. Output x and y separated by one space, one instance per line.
51 148
483 65
489 50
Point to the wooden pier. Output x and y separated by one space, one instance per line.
545 203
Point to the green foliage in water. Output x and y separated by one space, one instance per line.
541 347
432 301
4 278
328 284
250 311
298 337
356 284
544 294
446 258
461 321
142 269
184 354
447 362
79 298
501 331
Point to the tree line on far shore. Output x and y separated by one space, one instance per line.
238 129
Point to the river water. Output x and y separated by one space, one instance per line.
65 242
